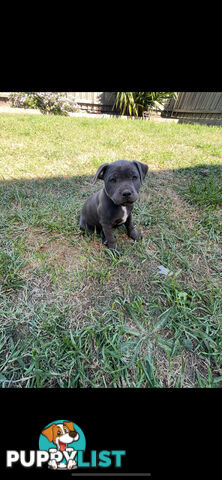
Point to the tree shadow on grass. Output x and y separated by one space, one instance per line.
209 122
56 202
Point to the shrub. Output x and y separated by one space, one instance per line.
135 103
56 103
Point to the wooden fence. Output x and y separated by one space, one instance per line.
94 101
197 106
205 106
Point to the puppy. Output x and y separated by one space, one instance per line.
113 205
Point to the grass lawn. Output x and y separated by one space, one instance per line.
73 315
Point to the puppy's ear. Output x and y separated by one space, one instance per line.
49 432
100 172
143 169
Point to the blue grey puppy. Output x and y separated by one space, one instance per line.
113 204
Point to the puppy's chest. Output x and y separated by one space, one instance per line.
122 217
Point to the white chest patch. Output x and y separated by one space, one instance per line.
125 215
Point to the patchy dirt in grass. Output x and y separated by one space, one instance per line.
185 218
54 250
169 369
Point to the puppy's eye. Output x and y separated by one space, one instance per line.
59 432
66 430
113 180
135 177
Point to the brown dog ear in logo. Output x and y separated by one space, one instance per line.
49 432
70 426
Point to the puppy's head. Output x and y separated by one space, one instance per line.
61 434
122 180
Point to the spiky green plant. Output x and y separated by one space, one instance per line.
135 103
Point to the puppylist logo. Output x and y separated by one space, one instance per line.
62 446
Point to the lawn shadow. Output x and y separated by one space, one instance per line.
210 122
58 200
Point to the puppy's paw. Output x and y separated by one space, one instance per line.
135 235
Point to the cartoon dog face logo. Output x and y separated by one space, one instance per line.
61 434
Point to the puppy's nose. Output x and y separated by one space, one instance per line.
126 193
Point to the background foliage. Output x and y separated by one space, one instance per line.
56 103
136 103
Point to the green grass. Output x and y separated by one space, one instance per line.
71 313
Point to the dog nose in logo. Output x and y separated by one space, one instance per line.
74 435
126 193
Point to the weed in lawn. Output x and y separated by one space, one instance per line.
203 185
207 192
10 267
194 318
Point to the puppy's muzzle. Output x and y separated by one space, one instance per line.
127 194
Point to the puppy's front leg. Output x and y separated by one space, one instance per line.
131 230
109 239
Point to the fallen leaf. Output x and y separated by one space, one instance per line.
164 271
